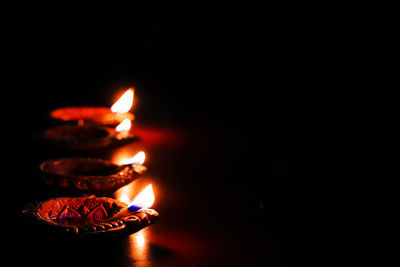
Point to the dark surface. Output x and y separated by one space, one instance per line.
254 161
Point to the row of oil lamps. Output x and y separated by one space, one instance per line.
93 128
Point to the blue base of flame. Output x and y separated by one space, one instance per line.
134 208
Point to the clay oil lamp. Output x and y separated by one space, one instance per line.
75 137
89 136
92 174
83 216
96 127
118 112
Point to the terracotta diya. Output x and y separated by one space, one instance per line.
89 136
94 215
80 137
90 173
98 115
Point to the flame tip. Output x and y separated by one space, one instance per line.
145 198
125 125
124 103
139 158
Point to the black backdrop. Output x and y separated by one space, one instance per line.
321 125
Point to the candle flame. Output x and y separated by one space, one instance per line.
144 199
137 159
124 103
125 125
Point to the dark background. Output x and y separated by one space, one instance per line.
304 150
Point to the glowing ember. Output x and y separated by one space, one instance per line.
145 199
125 125
125 102
137 159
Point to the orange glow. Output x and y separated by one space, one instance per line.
137 159
140 240
126 193
124 198
139 247
125 125
144 199
124 103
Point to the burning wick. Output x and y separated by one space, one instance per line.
125 125
138 159
124 103
143 200
123 129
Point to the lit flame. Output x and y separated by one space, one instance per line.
125 125
126 193
137 159
125 102
144 199
124 198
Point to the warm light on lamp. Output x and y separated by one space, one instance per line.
125 125
137 159
124 103
144 199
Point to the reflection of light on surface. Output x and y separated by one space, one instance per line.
152 136
139 247
139 239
